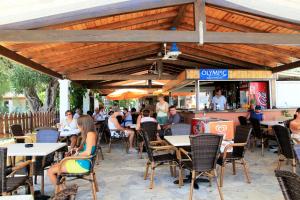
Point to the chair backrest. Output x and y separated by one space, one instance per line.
181 129
283 138
3 156
134 117
205 149
47 135
16 130
242 120
147 144
242 135
150 128
256 127
289 183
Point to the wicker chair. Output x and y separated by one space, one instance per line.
119 135
154 159
9 183
243 120
289 183
61 177
202 159
151 129
18 133
44 135
285 150
258 133
241 139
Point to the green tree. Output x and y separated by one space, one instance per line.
76 95
31 83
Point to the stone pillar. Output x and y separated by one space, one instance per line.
64 101
86 102
197 92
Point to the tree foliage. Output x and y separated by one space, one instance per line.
30 83
76 94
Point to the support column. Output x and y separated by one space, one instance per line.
96 102
197 91
86 102
272 88
64 101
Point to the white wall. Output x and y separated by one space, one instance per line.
287 94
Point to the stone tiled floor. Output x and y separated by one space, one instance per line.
120 177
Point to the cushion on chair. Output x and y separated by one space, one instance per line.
14 182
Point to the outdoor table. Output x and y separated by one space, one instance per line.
38 149
16 197
271 123
184 141
297 150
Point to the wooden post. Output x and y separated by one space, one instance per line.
200 19
1 124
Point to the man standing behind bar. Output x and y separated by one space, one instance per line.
219 101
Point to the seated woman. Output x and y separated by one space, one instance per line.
87 148
295 127
127 121
113 125
69 128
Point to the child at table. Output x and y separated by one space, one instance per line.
257 113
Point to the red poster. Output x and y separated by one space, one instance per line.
258 94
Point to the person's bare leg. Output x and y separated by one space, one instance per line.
52 174
131 137
73 140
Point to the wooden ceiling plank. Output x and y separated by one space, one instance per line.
219 58
91 61
125 58
98 11
121 77
27 62
123 65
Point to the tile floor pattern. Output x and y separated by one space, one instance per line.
120 177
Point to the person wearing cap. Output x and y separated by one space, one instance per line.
114 126
295 127
257 113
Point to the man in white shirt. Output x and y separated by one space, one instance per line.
219 101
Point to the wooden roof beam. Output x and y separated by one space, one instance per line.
286 67
27 62
120 77
100 86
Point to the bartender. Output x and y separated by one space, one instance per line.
219 101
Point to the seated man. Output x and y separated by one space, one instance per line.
257 113
99 114
69 128
174 117
295 127
114 125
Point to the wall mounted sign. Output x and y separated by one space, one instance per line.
214 74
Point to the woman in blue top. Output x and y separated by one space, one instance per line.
87 148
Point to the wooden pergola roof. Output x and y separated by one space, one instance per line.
97 64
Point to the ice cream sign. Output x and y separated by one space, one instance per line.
213 74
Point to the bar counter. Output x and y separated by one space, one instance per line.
269 114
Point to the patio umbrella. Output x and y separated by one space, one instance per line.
127 94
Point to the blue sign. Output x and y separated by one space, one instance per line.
213 74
